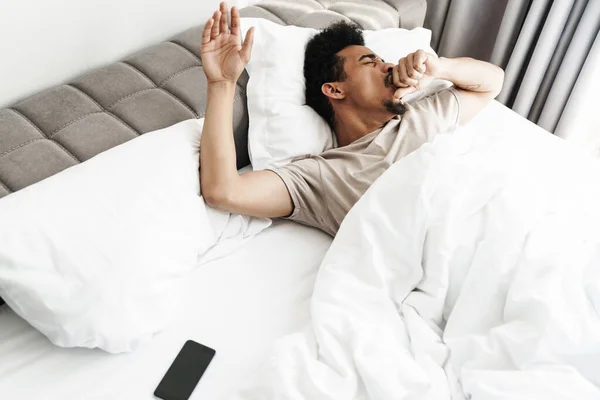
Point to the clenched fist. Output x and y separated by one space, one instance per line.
415 71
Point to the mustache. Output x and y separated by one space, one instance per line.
387 81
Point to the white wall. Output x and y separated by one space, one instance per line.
48 42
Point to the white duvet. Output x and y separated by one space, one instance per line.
471 269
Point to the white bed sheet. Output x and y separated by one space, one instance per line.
237 305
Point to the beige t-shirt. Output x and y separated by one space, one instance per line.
324 187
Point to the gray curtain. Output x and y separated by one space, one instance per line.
549 50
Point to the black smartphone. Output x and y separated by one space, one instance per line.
185 372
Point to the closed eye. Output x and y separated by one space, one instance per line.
374 59
374 62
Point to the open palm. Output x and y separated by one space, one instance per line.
223 56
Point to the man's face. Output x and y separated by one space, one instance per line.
368 83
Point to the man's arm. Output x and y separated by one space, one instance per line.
260 193
477 82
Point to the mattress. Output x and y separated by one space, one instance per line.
237 305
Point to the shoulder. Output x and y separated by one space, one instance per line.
300 171
435 101
442 107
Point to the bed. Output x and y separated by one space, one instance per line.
238 304
469 269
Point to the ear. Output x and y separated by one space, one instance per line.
333 90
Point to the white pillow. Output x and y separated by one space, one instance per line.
281 126
91 256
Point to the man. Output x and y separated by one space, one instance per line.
359 94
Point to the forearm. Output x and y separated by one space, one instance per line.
217 151
472 75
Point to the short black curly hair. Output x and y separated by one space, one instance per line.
322 64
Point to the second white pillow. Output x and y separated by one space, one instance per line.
282 127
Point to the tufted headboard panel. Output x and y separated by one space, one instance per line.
154 88
57 128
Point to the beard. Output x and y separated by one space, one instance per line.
395 107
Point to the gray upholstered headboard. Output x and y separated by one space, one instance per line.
154 88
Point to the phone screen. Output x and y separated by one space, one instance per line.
185 372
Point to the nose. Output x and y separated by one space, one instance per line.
386 68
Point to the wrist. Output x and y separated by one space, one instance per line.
221 85
221 89
444 68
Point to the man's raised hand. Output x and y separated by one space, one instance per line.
223 55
